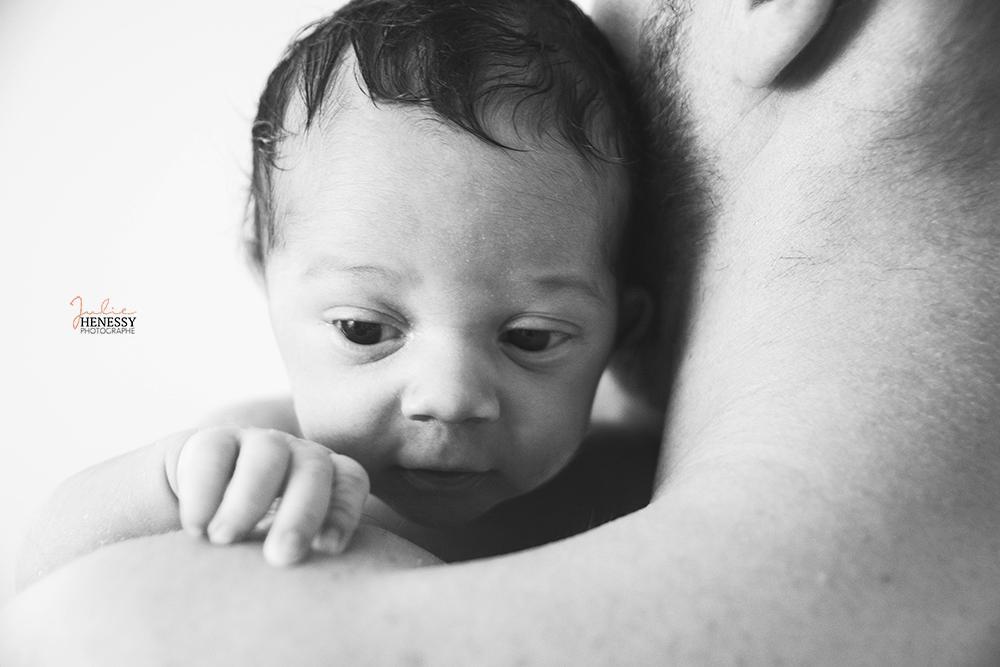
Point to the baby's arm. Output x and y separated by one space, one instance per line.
124 497
224 481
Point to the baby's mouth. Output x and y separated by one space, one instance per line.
425 479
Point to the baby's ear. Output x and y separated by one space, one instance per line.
635 314
769 34
252 248
635 364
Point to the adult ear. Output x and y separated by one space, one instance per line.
771 33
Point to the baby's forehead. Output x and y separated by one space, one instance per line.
360 151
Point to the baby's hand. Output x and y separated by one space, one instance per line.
227 478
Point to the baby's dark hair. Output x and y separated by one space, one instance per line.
543 62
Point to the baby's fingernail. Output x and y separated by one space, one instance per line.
220 533
284 548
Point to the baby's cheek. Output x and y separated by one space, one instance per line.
557 427
545 459
347 422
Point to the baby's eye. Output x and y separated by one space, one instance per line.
532 340
366 333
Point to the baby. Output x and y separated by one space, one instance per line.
439 205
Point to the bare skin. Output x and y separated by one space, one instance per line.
832 494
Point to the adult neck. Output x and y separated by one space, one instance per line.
890 114
847 210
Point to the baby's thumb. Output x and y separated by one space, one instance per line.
350 490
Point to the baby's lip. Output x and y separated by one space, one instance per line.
438 480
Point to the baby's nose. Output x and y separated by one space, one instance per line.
454 385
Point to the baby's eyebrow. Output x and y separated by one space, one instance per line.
568 282
327 265
548 282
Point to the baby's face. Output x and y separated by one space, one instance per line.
444 308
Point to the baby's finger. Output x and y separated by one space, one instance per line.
204 466
350 490
257 480
303 504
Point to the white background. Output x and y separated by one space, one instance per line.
124 155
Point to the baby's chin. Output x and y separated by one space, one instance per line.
440 499
441 515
